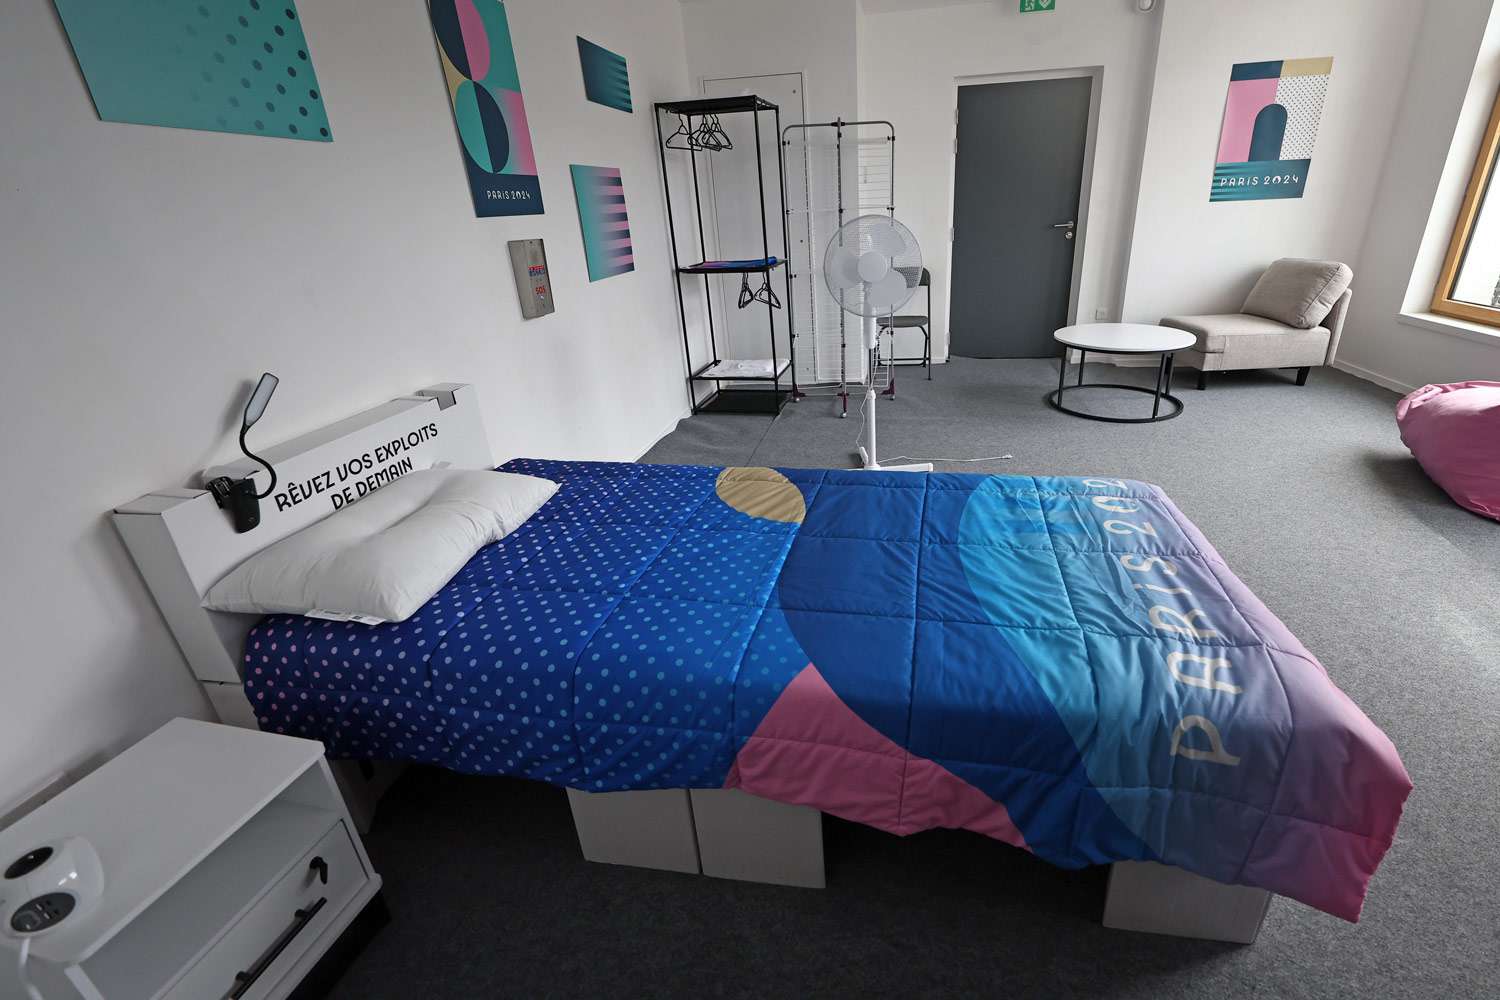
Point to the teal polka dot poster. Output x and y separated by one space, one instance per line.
219 65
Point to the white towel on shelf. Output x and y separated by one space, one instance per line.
747 368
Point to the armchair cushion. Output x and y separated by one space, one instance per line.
1215 333
1299 293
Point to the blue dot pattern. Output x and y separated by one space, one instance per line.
603 645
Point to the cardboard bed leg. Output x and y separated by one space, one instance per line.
1160 899
646 829
742 836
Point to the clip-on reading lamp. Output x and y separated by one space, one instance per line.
239 494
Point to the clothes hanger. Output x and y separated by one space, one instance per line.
710 135
690 143
704 136
721 138
746 295
766 293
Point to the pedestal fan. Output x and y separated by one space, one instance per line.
872 266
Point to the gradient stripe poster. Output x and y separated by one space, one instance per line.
606 80
605 223
1271 119
479 63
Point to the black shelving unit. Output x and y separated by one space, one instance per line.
720 269
747 393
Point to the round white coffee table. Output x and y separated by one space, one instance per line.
1121 338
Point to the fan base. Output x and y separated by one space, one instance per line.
872 466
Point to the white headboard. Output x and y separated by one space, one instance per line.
183 543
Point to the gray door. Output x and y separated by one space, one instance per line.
1017 181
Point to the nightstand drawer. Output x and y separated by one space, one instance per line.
254 954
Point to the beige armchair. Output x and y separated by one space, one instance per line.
1292 318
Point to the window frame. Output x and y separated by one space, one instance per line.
1484 170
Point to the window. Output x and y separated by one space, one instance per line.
1469 285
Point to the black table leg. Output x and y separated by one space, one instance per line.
1162 390
1161 371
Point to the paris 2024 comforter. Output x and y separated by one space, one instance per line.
1065 665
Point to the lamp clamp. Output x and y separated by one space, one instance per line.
238 496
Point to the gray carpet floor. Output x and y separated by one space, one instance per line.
1310 497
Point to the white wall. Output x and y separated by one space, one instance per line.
1192 256
814 37
910 65
147 273
1454 76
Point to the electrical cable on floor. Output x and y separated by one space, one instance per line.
32 992
989 458
774 417
860 440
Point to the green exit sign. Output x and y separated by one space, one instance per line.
1032 6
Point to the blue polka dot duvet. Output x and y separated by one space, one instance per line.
1065 665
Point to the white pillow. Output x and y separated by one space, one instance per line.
382 558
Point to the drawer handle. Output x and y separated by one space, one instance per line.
244 980
321 867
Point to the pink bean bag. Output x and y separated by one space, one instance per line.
1454 432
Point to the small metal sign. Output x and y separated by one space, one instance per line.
1032 6
528 259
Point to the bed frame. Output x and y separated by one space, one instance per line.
183 544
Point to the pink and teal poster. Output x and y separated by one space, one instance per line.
607 247
1271 119
484 86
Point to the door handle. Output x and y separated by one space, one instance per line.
301 918
1065 225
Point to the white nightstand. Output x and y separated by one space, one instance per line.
231 868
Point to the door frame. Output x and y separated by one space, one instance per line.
1080 232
